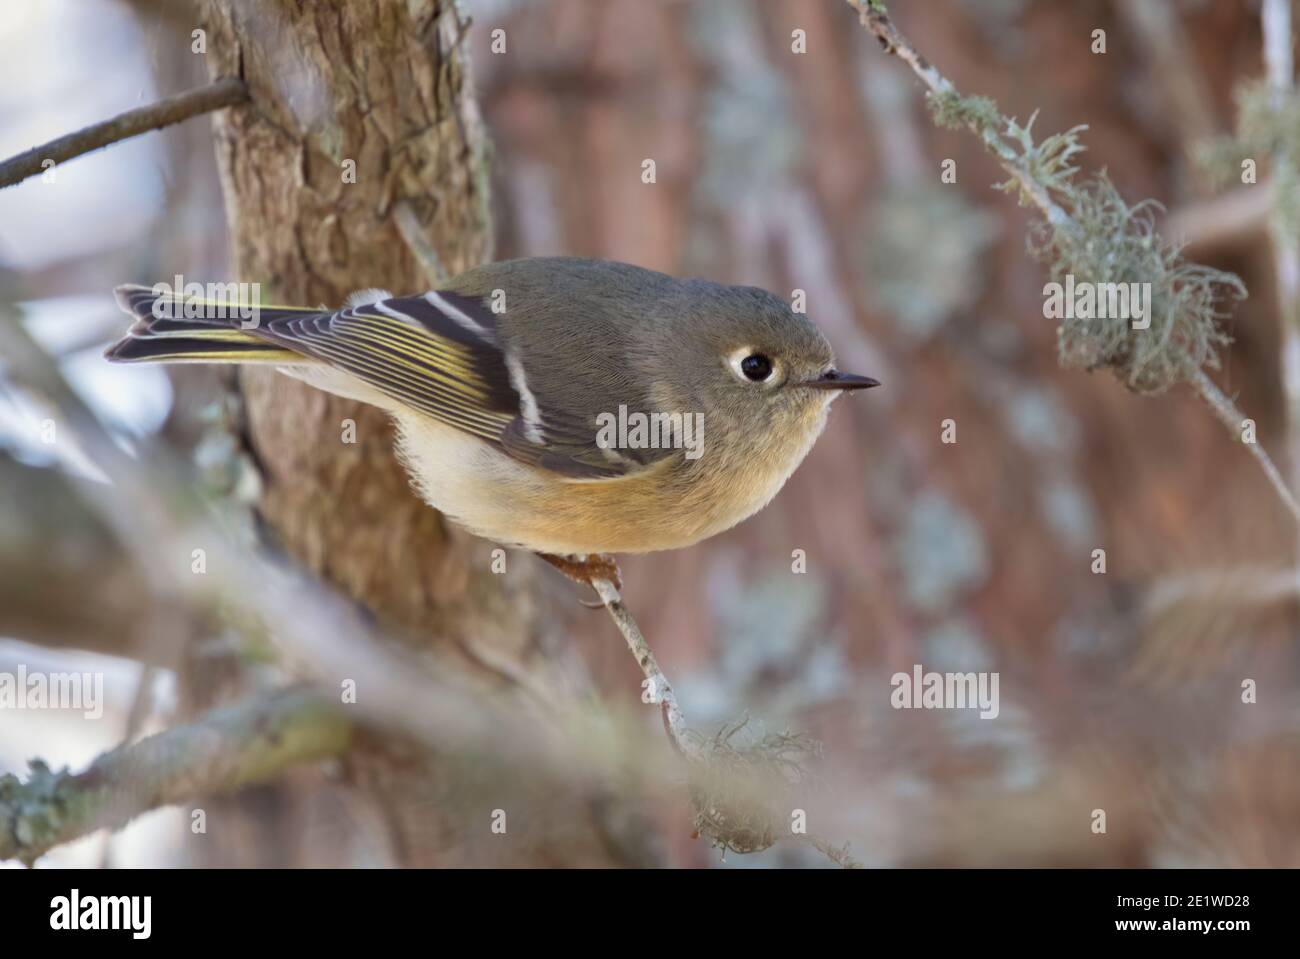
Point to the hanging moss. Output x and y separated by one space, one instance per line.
1102 240
1112 242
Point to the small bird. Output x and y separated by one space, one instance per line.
573 407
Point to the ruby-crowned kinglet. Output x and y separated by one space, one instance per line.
565 405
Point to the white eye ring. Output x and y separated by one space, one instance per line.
736 359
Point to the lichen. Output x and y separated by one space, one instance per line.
1109 241
952 111
1089 232
35 811
737 788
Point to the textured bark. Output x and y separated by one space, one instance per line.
380 85
384 85
228 750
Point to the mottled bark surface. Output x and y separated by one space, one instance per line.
379 89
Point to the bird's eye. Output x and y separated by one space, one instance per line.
756 367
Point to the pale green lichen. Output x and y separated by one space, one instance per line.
952 111
1048 162
1108 241
1090 233
740 792
35 812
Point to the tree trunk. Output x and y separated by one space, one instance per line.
358 110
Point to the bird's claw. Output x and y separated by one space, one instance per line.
587 569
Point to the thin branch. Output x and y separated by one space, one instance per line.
874 17
226 92
1275 19
1231 417
1222 588
688 747
1226 218
229 748
674 721
839 855
1158 25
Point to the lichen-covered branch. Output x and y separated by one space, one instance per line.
1095 235
733 790
1231 417
248 743
225 92
875 18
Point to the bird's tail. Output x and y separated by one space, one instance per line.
171 328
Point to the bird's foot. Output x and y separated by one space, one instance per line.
586 569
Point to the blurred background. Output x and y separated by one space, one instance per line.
817 171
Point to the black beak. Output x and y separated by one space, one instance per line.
835 380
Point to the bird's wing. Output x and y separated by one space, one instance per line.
442 354
570 449
430 353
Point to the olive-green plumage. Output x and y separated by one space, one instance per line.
507 385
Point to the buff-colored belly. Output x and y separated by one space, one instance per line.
505 501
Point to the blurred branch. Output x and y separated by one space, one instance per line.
715 807
1275 17
86 592
1157 24
215 96
417 239
1276 24
875 18
228 749
1222 219
1232 418
1246 586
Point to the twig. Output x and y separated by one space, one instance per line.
1275 19
215 96
1247 586
837 854
225 750
417 241
1157 25
876 19
1222 219
687 746
674 721
1231 417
